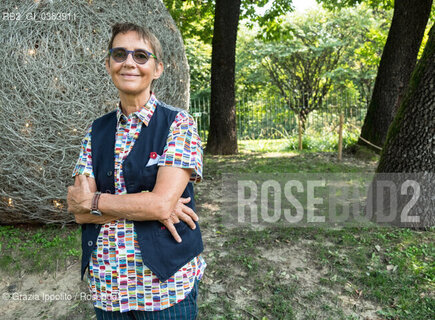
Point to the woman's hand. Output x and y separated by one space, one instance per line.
183 213
79 197
79 201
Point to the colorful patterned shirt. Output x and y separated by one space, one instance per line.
117 277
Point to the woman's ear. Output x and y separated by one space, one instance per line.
158 70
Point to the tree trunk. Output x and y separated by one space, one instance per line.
410 144
222 137
397 63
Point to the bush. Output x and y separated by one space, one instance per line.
327 142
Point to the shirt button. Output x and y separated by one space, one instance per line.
90 243
109 173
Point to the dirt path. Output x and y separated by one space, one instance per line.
36 297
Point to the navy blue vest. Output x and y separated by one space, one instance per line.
160 252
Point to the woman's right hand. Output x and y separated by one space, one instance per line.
183 213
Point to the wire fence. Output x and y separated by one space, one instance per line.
275 119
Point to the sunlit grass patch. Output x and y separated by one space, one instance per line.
314 141
263 145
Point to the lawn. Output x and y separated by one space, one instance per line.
270 272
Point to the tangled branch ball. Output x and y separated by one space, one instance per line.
54 83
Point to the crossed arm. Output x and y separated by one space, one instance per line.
163 203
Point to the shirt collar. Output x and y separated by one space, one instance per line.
144 113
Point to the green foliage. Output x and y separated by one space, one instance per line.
378 6
429 26
316 56
199 56
276 8
325 142
252 79
313 53
194 18
312 141
338 4
354 36
357 69
301 62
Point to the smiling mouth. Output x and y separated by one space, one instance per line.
129 75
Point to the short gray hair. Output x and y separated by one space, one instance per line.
143 33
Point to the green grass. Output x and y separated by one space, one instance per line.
289 162
398 279
357 269
393 269
38 248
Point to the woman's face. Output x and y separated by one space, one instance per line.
128 76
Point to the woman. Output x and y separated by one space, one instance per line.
132 187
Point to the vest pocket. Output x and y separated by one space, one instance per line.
150 170
148 177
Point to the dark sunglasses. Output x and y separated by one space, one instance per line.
140 56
